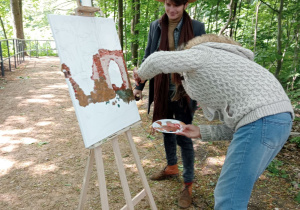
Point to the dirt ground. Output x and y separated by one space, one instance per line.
43 158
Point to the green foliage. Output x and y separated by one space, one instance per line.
296 140
150 137
214 13
298 197
274 169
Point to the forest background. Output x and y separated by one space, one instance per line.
269 28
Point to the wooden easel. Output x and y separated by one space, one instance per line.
96 154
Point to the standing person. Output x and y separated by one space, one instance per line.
257 114
172 29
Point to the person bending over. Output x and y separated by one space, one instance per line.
254 108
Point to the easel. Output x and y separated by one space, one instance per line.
96 155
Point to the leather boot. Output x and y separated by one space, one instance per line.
166 173
185 197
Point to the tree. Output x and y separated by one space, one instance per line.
16 8
256 23
230 17
120 22
135 31
3 29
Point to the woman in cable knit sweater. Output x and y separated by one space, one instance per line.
229 86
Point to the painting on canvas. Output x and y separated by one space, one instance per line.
95 71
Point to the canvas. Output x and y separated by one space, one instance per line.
93 63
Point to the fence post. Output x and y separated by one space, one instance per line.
18 50
1 57
14 47
37 49
23 48
7 44
47 47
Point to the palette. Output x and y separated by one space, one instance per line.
168 126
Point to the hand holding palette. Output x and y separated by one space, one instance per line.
168 126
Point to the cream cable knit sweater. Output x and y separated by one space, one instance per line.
226 82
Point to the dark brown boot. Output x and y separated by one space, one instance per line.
185 197
166 173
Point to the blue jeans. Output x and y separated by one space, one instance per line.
252 149
181 110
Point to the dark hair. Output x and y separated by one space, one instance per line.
179 2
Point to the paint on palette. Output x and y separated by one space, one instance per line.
104 88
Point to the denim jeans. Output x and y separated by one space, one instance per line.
181 110
252 149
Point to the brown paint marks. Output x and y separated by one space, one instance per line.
103 89
66 70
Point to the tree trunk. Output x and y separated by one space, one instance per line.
135 31
233 18
147 20
296 53
237 21
16 7
229 18
217 15
125 34
120 22
3 29
279 33
256 23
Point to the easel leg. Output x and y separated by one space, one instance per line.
140 169
101 178
86 179
122 174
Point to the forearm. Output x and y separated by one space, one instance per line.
169 62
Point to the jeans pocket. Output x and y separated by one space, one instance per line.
276 130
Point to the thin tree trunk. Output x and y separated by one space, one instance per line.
125 26
246 18
238 20
296 53
233 18
120 22
279 43
135 32
3 29
217 16
147 20
256 23
229 18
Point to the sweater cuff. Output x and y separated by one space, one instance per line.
205 132
140 86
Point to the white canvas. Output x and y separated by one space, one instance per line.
92 59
